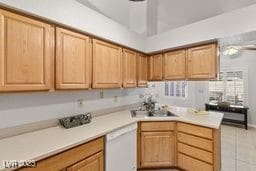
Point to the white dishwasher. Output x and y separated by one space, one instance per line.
121 149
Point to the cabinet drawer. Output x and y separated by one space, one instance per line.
157 126
195 141
190 164
195 152
95 163
69 157
195 130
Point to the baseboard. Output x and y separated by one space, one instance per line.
252 125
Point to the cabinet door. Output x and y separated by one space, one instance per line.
175 65
202 62
26 53
106 65
156 67
157 149
129 68
72 60
142 70
93 163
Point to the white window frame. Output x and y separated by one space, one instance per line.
226 69
175 96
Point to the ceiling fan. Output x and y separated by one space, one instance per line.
136 0
234 50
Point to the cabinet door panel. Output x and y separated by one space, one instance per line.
175 65
93 163
157 149
26 54
129 68
156 67
106 65
72 60
202 62
142 68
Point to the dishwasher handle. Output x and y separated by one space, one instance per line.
120 132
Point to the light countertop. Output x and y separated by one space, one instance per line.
44 143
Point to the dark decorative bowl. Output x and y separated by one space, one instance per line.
77 120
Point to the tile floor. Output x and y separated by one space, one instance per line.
238 149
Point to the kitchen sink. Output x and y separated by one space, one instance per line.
155 113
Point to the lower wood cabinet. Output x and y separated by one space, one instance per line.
198 148
171 144
191 164
157 145
85 157
157 149
93 163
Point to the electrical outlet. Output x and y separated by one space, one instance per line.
101 94
116 99
80 102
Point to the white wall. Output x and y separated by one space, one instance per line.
74 14
22 108
228 24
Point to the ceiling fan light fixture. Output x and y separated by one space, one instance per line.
231 50
136 0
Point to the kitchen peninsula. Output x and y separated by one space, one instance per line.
195 143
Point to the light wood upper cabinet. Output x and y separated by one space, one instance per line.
129 68
26 59
175 65
107 61
93 163
73 60
142 70
157 149
156 67
202 62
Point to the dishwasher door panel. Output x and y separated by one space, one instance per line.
121 152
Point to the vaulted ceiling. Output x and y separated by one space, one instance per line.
151 17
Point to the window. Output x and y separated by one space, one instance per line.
230 87
176 89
